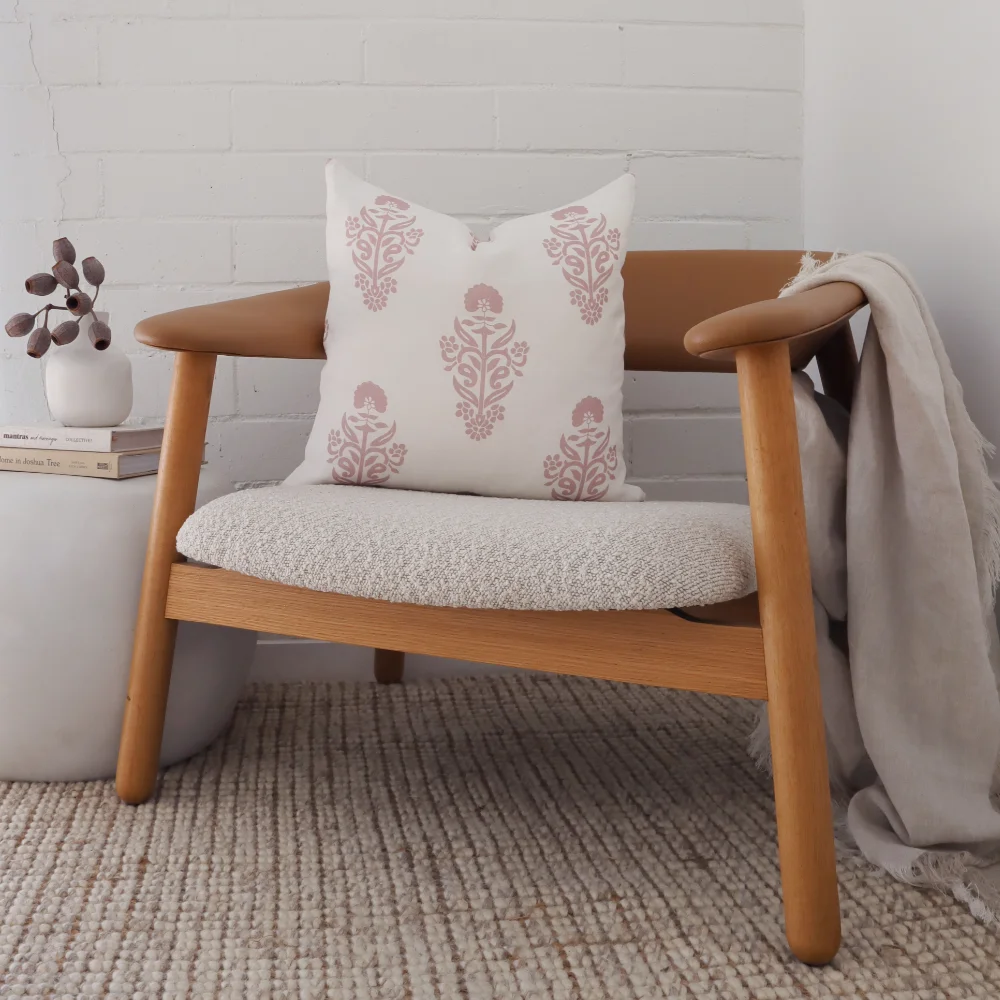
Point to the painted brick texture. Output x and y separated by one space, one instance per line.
182 141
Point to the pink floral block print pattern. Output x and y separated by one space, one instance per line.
486 360
363 452
383 236
587 251
585 465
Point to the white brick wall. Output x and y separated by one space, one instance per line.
182 141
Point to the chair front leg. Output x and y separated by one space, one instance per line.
798 740
153 649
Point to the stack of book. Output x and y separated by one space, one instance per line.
102 452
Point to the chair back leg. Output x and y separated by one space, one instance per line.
837 361
798 740
389 666
153 649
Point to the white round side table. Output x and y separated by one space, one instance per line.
71 558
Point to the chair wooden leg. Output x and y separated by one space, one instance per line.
389 666
798 741
153 649
837 361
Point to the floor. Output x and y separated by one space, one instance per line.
509 836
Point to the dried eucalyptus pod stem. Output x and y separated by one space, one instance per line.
40 284
65 274
93 271
38 342
63 250
100 334
65 333
79 303
19 325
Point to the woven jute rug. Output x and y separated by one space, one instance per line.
515 836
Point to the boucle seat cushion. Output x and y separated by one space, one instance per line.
478 552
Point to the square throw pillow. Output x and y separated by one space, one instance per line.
457 365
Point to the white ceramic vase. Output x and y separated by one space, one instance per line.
85 387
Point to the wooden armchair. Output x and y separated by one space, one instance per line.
685 311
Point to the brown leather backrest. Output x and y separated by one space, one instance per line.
669 291
666 293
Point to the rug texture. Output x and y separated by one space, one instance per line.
514 836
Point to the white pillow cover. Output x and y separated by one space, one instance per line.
463 366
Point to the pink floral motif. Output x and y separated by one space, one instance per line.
587 250
572 212
362 452
369 396
486 360
388 201
383 236
584 467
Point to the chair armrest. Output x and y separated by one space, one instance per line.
805 320
286 324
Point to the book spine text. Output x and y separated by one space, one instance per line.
101 466
56 438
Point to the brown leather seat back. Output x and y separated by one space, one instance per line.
669 291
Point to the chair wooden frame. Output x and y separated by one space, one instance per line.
685 311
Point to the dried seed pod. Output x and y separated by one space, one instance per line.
40 284
19 325
62 249
38 342
93 271
66 274
65 333
79 303
100 334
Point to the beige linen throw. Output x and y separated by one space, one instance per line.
912 709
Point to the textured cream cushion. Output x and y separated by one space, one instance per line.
473 366
478 552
